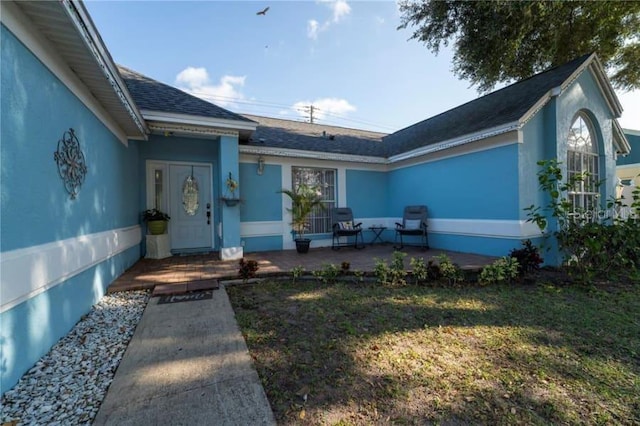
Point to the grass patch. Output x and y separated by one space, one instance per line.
363 354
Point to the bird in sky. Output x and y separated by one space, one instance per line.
263 12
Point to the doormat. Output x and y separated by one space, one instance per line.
186 297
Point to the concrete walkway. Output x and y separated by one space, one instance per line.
187 364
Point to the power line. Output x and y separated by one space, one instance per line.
356 120
311 110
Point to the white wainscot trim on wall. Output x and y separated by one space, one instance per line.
261 229
515 229
28 272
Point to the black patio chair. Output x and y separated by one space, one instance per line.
414 223
343 226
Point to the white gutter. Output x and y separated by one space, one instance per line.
540 104
286 152
168 117
450 143
189 129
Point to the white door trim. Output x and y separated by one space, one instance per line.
152 165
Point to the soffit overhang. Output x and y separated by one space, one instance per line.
68 26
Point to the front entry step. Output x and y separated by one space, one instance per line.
185 287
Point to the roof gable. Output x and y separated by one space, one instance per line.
500 108
152 95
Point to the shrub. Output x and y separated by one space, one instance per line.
248 269
398 273
419 270
424 273
328 273
448 270
394 274
359 275
297 272
503 269
591 245
433 271
528 258
381 271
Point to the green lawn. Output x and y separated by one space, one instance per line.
364 353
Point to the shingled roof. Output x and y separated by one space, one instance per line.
289 134
152 95
498 108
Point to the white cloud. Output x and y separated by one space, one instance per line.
339 9
192 76
196 82
324 108
312 29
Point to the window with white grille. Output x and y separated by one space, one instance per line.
582 163
325 181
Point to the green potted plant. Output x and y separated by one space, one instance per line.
156 221
304 199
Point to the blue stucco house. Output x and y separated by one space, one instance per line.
87 145
628 166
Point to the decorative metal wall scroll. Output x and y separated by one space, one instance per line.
190 195
71 164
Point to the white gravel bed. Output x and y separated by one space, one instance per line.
68 384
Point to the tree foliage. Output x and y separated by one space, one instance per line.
501 41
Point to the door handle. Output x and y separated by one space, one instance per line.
208 213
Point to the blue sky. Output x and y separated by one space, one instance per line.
345 57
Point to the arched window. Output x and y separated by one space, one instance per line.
582 164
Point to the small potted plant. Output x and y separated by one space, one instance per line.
156 221
230 198
304 199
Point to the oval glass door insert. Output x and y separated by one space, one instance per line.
190 195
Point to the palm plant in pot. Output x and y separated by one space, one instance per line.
304 199
156 221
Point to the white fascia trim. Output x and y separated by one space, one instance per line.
605 86
574 76
503 139
85 27
296 153
450 143
540 104
189 129
619 136
23 28
594 64
631 132
25 273
173 118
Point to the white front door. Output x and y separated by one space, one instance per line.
191 211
